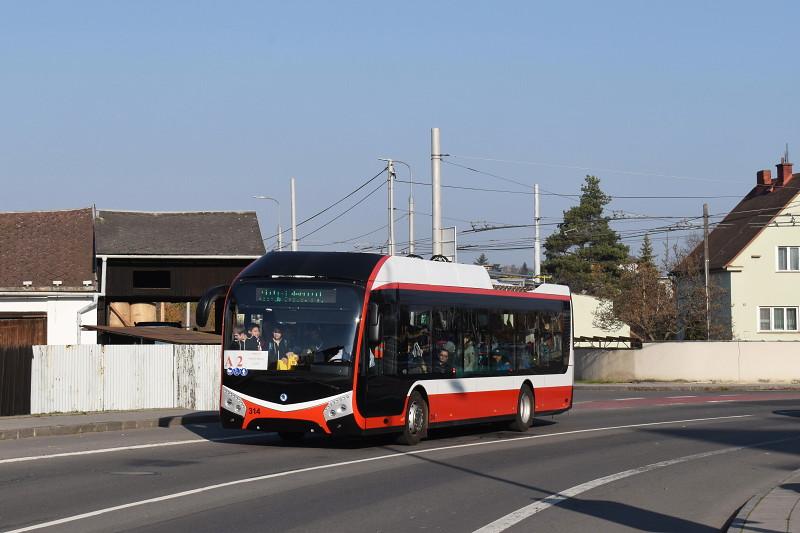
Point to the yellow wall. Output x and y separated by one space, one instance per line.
583 309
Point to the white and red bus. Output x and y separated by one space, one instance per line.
374 343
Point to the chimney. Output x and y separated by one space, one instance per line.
784 169
784 175
764 177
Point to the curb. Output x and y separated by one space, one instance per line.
96 427
740 520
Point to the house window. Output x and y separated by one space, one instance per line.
788 258
151 279
777 318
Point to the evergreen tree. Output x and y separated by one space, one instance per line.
482 260
646 256
585 253
524 269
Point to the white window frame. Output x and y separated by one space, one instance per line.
772 318
788 259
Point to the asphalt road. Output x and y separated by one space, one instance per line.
639 461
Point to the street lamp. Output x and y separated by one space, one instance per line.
410 203
280 228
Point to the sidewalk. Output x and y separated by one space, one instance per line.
686 386
777 510
20 427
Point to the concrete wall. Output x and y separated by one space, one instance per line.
745 362
99 378
61 311
755 280
583 309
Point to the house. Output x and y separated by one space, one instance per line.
157 264
754 261
48 280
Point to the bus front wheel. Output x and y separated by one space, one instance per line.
525 410
416 426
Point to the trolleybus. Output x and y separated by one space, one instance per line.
334 342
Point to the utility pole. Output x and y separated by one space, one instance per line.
411 223
537 252
294 217
436 191
706 262
390 183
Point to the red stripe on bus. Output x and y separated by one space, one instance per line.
471 290
465 406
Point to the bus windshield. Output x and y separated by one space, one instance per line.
302 328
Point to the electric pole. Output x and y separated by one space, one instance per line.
436 192
537 252
706 262
294 217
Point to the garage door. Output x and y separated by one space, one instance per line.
17 335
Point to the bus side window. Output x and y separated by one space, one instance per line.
446 357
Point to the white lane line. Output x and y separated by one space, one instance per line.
286 473
626 399
719 401
724 395
123 448
514 518
684 396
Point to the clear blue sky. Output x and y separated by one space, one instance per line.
200 105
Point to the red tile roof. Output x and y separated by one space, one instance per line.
46 246
746 221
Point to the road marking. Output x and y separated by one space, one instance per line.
287 473
719 401
626 399
123 448
685 396
724 395
514 518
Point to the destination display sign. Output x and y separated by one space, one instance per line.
284 295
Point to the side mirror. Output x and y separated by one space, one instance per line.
373 324
204 305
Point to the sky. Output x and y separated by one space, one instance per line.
177 106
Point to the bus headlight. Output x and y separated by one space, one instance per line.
232 402
338 407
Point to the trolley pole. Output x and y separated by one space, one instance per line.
436 191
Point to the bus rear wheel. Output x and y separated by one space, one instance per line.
416 426
525 410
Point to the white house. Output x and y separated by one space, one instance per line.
48 285
754 258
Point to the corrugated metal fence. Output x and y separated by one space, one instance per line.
99 378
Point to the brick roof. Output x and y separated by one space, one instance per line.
189 233
746 221
47 246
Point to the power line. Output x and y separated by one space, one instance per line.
590 169
340 215
337 202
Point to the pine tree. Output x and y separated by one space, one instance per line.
646 256
585 253
482 260
524 269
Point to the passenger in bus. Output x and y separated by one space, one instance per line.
499 362
239 339
416 360
278 345
254 341
442 364
470 355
